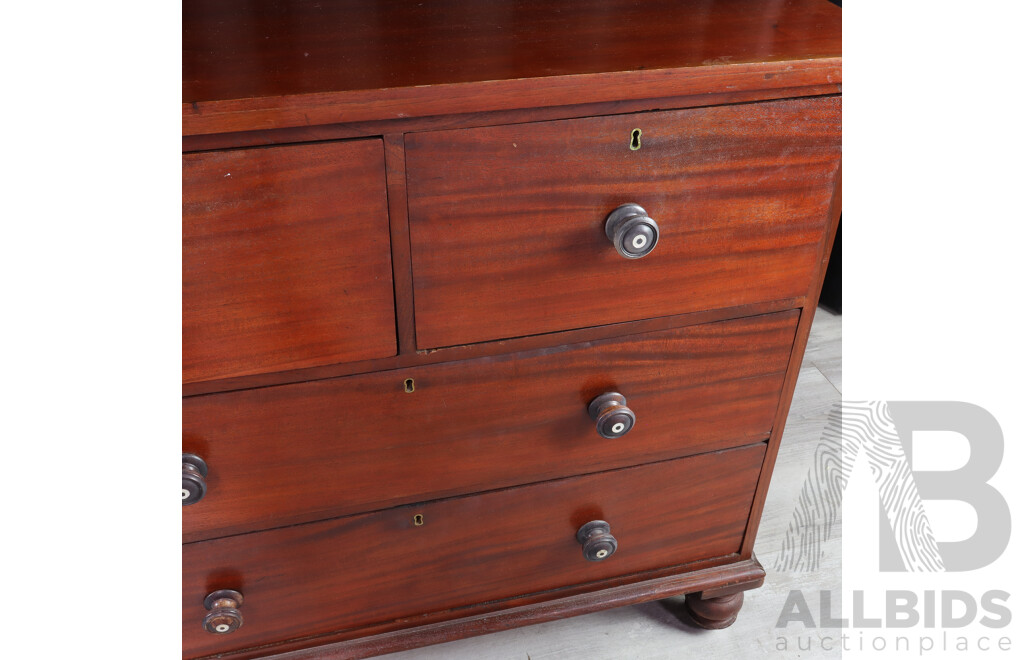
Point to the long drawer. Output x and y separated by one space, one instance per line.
312 579
508 232
286 259
296 453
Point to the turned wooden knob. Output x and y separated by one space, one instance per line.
193 479
597 540
224 616
633 233
613 418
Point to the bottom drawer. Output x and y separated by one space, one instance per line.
345 573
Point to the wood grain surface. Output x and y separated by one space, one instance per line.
296 453
473 119
726 572
793 371
664 636
321 577
269 64
412 358
507 222
455 241
286 259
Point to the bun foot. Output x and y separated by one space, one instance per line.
714 613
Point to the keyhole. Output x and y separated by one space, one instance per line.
634 142
418 520
410 385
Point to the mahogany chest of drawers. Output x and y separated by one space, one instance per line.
492 312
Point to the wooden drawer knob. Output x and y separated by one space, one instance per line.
613 418
633 233
224 616
597 540
193 479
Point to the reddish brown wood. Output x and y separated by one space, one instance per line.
265 72
322 577
490 617
714 613
394 155
470 351
303 452
507 222
206 142
285 259
358 106
255 65
731 587
236 49
793 370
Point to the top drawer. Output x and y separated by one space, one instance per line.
286 259
508 222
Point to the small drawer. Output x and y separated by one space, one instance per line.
302 452
286 259
508 223
312 579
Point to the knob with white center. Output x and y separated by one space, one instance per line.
633 233
224 616
597 540
613 417
193 479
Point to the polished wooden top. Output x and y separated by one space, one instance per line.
277 59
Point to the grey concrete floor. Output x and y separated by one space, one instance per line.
650 630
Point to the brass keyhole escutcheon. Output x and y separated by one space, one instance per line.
418 520
410 385
634 139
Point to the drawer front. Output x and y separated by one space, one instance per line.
320 577
508 222
309 451
286 259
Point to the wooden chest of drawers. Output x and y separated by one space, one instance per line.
492 312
